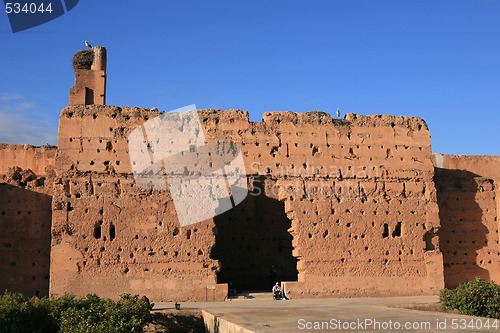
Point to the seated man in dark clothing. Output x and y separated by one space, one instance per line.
278 293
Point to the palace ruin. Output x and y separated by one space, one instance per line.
341 207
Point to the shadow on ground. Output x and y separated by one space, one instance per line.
185 321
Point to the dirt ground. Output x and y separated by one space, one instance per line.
182 321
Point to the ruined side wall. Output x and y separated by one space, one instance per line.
25 217
36 159
469 204
109 235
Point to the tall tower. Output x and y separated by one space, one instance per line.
90 77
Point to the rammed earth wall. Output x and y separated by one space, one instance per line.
340 207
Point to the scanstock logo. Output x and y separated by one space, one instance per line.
26 14
205 179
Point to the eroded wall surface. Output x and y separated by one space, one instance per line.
362 204
37 159
357 198
26 179
108 235
467 188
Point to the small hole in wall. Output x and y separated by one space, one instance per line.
385 234
112 232
97 231
397 230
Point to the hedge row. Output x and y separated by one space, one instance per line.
70 314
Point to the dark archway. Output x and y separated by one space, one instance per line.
250 239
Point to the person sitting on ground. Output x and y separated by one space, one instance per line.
231 290
278 293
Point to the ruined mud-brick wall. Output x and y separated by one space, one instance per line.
360 198
109 236
360 195
468 198
26 179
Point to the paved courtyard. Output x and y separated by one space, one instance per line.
260 314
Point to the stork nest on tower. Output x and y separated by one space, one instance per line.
83 59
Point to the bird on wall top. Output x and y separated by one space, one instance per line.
88 45
338 113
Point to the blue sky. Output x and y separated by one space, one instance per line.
438 60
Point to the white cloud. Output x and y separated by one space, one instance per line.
6 98
18 124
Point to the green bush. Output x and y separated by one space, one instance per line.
475 298
20 315
71 314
